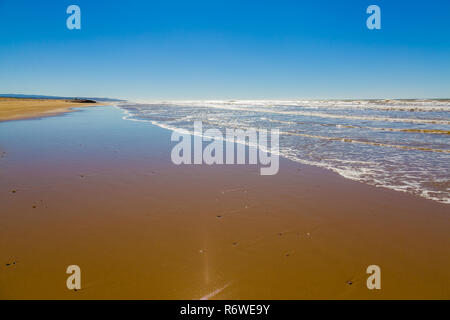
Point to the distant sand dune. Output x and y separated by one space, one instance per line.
18 108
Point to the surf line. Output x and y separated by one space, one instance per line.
215 153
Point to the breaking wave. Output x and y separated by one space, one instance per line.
398 144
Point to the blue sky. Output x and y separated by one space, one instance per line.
150 50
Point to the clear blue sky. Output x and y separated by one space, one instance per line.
226 49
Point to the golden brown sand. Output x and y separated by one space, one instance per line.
142 228
159 232
18 108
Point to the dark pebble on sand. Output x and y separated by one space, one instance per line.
349 283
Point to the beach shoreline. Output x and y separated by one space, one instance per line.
380 143
28 108
142 228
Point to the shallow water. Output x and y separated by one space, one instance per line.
399 144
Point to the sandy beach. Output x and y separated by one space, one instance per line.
100 192
18 108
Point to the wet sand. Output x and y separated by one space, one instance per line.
18 108
100 192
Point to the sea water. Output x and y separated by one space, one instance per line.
398 144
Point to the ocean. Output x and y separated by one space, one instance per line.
402 145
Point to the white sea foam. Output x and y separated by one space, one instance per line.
398 144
